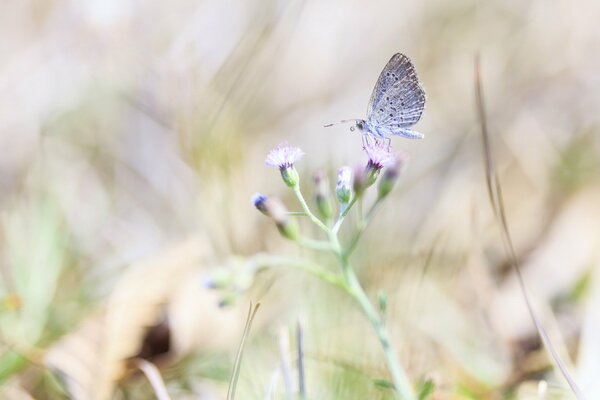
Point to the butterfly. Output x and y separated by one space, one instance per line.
397 102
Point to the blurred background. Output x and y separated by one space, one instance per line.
133 135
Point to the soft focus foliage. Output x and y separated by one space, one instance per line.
134 135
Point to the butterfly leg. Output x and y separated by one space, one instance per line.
365 140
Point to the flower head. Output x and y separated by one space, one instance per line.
379 154
283 157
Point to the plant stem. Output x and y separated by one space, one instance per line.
267 261
343 212
314 244
306 209
399 377
361 226
354 288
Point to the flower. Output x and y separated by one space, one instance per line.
343 189
283 157
379 154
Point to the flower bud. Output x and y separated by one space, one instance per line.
228 299
390 177
343 189
322 197
287 226
359 183
371 174
290 176
273 208
259 201
219 278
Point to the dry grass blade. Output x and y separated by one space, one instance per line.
301 374
154 378
497 202
238 358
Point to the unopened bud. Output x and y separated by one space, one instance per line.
359 183
322 196
390 177
287 226
219 278
228 299
343 188
273 208
259 201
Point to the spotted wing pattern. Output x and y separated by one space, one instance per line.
398 99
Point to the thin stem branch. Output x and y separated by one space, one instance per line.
306 209
264 261
361 226
314 244
343 213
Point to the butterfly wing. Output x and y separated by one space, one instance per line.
398 100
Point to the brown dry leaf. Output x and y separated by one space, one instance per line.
92 359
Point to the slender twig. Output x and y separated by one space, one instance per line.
153 375
497 201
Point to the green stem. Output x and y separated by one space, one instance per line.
352 286
267 261
314 244
306 209
400 379
361 226
343 212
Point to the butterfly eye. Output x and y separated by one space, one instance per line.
351 129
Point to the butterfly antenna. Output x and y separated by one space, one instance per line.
341 122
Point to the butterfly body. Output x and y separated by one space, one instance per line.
382 131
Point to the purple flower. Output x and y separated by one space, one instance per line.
283 156
379 155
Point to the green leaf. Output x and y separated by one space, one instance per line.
426 389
